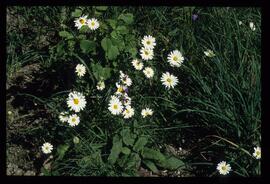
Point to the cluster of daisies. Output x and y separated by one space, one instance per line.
224 168
92 23
175 59
120 102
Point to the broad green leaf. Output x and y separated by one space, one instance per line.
126 150
102 8
87 46
151 165
93 159
122 29
128 18
76 13
171 163
61 150
106 44
152 154
116 149
112 23
65 34
128 137
114 34
140 143
133 52
84 29
134 161
113 53
106 73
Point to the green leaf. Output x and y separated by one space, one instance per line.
171 163
152 154
112 23
113 53
84 29
102 8
116 149
106 44
87 46
122 29
173 32
65 34
93 159
133 52
114 34
106 73
128 137
134 161
128 18
76 13
151 165
141 142
61 150
126 150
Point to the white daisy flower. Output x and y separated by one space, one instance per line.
146 54
80 70
169 80
126 100
113 97
47 148
125 79
148 72
120 89
128 112
9 112
76 101
240 23
100 85
79 22
93 24
147 112
149 42
209 53
115 106
63 117
73 120
252 26
175 58
257 152
223 168
138 65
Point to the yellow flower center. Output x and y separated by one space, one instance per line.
175 58
258 153
82 21
148 42
73 119
127 111
76 101
92 23
146 53
223 168
115 106
169 80
120 89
